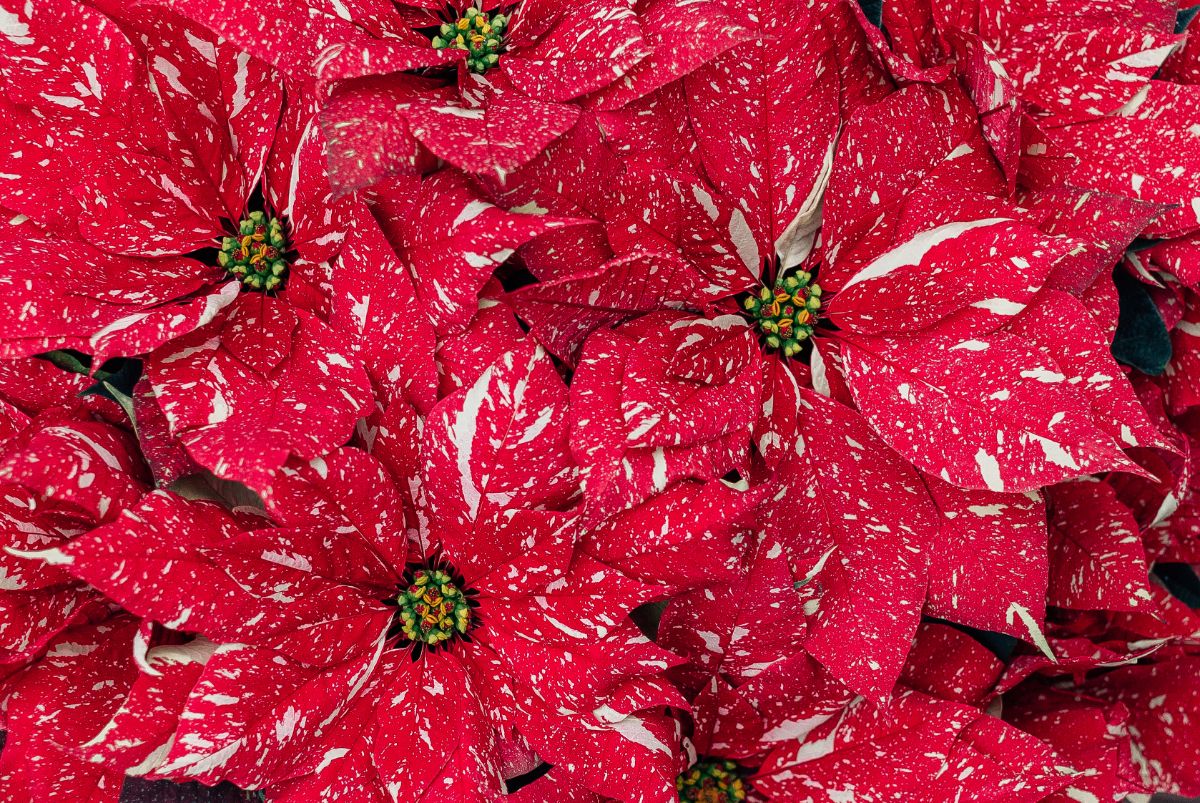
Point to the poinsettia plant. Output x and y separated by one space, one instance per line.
615 400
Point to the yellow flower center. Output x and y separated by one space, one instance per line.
255 255
786 314
432 609
711 781
479 34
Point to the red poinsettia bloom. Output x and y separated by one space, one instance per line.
415 623
512 77
187 219
67 660
1087 85
750 680
908 326
63 472
1115 695
846 513
910 332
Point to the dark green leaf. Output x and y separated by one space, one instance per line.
1181 580
1142 340
873 9
68 360
1184 17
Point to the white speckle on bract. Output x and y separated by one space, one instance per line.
221 411
817 748
459 111
544 417
797 729
212 344
820 377
743 240
573 633
1017 611
220 699
330 756
705 199
1080 795
712 641
648 423
286 726
61 100
989 469
1055 453
1043 375
913 251
531 208
51 557
239 101
11 26
471 210
962 150
170 72
291 560
999 306
658 476
462 433
633 729
477 260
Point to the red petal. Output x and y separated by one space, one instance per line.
1096 557
857 521
646 413
990 554
1017 424
499 445
558 52
269 381
755 143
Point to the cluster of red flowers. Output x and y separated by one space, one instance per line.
565 401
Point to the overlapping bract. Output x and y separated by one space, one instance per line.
557 401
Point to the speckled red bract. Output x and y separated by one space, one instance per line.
600 401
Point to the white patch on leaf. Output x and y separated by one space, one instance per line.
989 469
915 250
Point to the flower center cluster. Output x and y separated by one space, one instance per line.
433 609
256 255
711 782
478 33
787 312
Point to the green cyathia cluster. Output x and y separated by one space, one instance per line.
478 33
786 313
433 609
256 255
